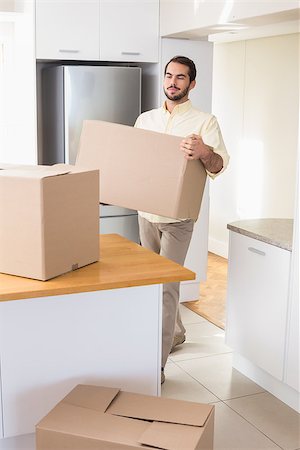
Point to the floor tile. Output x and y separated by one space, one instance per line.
188 316
232 432
202 339
23 442
217 375
181 386
275 419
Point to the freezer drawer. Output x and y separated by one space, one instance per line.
126 226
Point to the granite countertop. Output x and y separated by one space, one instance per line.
278 232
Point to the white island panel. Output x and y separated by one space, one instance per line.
50 344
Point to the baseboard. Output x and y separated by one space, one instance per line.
219 248
285 393
189 291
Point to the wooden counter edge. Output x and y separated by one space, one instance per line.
87 282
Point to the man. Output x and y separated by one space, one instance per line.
166 236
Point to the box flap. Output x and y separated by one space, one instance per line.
38 172
71 168
4 166
159 409
170 436
92 397
84 422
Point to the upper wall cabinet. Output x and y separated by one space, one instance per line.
67 29
202 17
70 30
129 30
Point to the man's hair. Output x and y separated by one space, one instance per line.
186 62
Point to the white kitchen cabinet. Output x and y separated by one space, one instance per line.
129 30
201 18
96 30
261 12
67 29
257 302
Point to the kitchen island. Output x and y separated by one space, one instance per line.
262 324
100 324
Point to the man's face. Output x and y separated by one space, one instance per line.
177 82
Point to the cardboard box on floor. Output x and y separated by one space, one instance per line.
49 219
142 170
98 418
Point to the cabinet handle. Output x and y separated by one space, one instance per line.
130 53
62 50
255 250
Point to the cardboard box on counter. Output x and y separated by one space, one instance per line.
98 418
142 170
49 219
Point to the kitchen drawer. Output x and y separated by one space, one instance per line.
257 297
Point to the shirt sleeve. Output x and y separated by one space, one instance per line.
212 136
137 122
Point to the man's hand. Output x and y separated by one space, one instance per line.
193 147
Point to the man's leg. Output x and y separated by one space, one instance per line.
149 235
175 242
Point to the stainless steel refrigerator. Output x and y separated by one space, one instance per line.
73 93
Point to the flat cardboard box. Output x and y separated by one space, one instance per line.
142 170
98 418
49 219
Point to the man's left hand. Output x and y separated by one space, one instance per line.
193 147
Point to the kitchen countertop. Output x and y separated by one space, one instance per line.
278 232
122 263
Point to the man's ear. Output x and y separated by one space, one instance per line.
192 84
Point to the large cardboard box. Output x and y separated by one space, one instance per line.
141 169
98 418
49 219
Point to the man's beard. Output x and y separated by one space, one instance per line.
178 96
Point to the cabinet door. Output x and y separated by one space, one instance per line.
257 296
67 29
129 30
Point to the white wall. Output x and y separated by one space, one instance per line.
201 53
17 85
256 100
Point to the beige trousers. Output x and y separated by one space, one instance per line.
172 241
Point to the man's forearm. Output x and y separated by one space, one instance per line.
212 161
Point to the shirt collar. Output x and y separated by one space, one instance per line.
181 108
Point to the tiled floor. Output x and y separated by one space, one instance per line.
247 417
